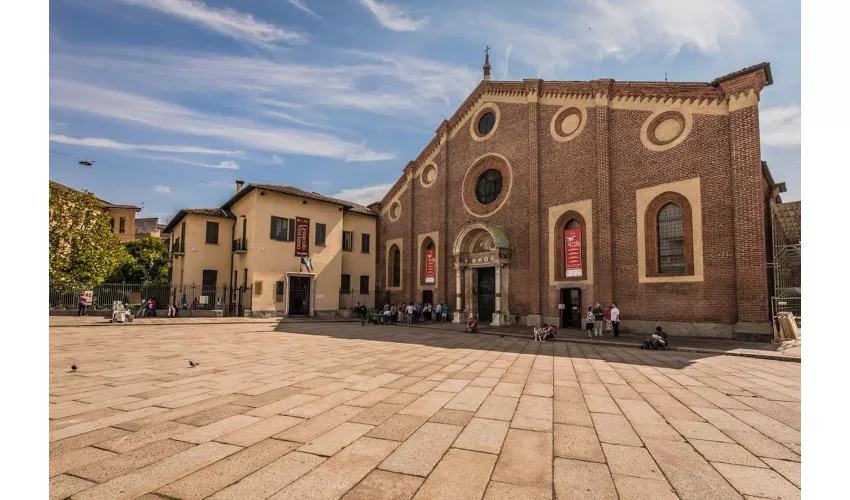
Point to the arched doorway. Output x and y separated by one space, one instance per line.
481 254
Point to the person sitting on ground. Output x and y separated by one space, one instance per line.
471 325
543 332
659 339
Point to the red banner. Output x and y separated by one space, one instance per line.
302 237
430 265
572 253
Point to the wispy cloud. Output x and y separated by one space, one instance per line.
600 29
364 195
153 113
393 17
224 164
301 5
99 142
277 160
224 21
780 126
162 189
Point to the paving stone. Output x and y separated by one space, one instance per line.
789 470
259 430
505 491
601 404
484 382
422 387
583 480
483 435
64 486
636 488
428 404
452 385
508 389
533 413
699 430
323 404
136 440
87 439
631 461
377 414
213 415
402 398
373 397
756 481
525 459
212 431
124 463
272 478
573 413
159 474
577 442
615 429
460 475
100 423
281 406
383 485
497 408
61 463
397 427
452 417
178 414
340 473
729 453
313 428
210 479
469 399
768 426
333 441
689 474
762 446
418 455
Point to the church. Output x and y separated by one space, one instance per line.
538 199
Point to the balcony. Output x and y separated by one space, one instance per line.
240 245
178 248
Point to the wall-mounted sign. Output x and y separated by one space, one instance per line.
562 306
89 297
572 253
302 237
203 299
430 265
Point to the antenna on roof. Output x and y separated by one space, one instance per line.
665 76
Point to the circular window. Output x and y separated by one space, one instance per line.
395 211
486 123
488 187
666 130
429 175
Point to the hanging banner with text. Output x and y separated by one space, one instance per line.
302 237
572 252
430 265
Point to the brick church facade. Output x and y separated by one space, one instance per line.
537 199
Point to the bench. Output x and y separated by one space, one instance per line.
377 317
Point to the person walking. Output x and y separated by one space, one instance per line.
81 309
615 319
598 319
588 322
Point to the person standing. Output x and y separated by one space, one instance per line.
437 312
153 307
598 319
615 319
588 322
410 313
608 325
81 309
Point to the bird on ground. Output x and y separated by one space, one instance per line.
193 364
73 368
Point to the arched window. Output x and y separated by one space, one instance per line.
395 277
671 241
669 236
570 247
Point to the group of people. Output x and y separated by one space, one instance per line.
415 312
600 321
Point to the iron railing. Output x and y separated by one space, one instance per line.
348 298
178 247
240 245
233 301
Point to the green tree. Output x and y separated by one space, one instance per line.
146 263
83 248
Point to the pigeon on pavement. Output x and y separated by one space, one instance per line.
73 368
193 364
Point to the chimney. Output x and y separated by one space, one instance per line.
487 63
239 185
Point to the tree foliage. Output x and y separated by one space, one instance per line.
146 262
83 248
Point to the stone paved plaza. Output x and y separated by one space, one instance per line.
340 410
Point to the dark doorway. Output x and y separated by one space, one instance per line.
299 296
571 313
208 288
486 293
428 297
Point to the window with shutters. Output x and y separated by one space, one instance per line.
347 241
278 291
121 225
212 233
112 224
282 229
321 231
345 283
365 241
364 285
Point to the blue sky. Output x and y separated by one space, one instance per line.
173 100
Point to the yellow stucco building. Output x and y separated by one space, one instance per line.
257 239
122 218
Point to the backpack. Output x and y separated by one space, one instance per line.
647 344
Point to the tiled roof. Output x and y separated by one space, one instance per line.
294 191
788 217
206 212
741 72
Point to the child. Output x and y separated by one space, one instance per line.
588 322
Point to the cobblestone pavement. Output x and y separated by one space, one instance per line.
340 410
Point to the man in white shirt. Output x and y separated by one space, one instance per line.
410 313
615 319
438 311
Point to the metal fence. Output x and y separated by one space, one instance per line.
348 298
233 301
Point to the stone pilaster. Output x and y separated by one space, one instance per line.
532 89
445 247
603 281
